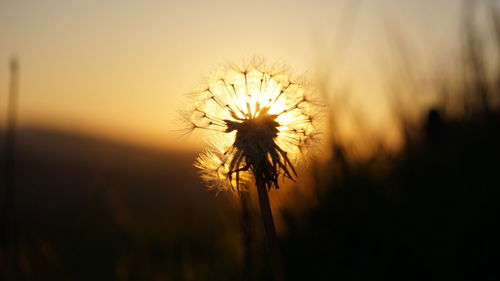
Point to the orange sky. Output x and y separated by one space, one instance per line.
119 69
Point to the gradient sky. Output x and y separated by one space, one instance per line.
119 69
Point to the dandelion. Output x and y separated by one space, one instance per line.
260 125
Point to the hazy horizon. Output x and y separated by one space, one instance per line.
119 70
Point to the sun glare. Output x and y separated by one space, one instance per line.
252 114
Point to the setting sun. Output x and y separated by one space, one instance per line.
252 111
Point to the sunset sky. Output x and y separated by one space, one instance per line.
119 69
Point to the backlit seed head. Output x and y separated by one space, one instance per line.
260 124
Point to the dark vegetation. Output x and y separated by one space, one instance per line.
90 209
428 212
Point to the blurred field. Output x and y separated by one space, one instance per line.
91 209
428 211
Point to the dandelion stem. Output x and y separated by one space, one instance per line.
269 229
246 224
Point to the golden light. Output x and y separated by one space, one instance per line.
252 114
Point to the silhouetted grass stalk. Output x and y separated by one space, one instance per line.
9 220
248 241
269 229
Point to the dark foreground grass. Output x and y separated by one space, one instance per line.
428 212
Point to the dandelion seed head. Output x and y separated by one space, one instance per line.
258 123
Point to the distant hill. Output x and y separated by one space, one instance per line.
94 209
60 175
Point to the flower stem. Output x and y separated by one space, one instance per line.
269 229
248 243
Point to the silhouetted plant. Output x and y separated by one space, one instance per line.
261 124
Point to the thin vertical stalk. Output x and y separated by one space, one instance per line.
8 223
248 242
269 229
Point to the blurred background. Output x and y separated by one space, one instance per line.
97 184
